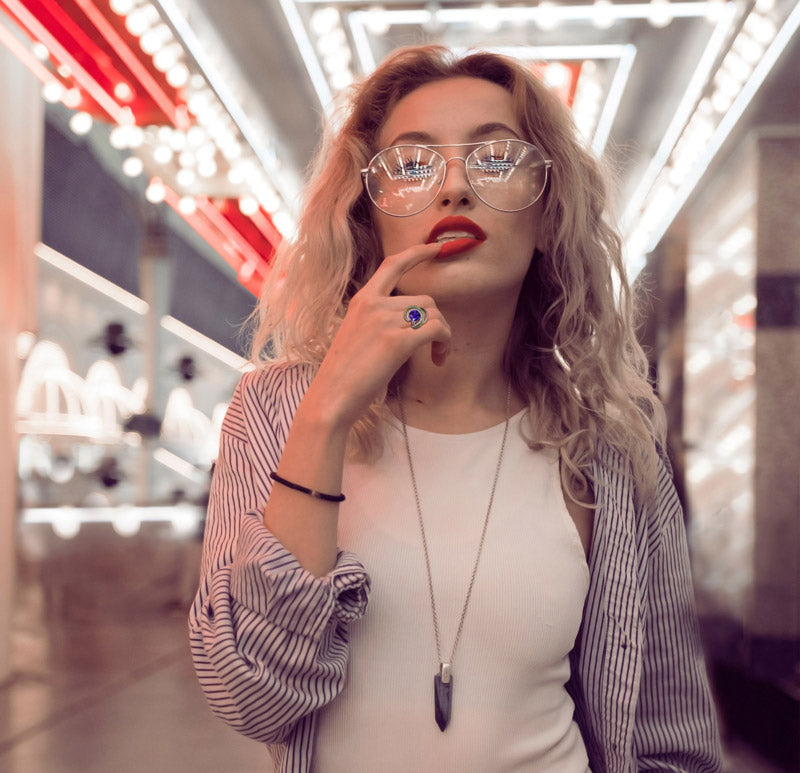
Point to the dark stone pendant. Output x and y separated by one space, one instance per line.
443 696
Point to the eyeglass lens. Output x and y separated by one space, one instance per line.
508 175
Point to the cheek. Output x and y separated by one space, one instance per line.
525 232
390 232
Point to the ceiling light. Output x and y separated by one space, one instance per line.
232 150
52 92
324 20
178 75
546 17
269 199
332 42
177 141
434 24
123 92
749 49
660 13
376 20
488 18
603 16
248 205
132 166
337 62
163 154
198 101
155 191
187 205
167 57
721 101
156 37
284 223
196 136
81 123
760 27
72 97
40 51
207 168
140 20
185 177
715 9
122 7
206 151
236 175
341 80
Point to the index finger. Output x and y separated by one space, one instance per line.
389 273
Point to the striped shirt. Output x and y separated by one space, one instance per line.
269 640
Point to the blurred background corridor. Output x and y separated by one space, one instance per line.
151 155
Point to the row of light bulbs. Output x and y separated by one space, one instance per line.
746 50
211 145
332 47
490 16
202 151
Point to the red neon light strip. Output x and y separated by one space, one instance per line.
84 79
105 73
133 63
200 223
23 53
224 226
208 232
267 227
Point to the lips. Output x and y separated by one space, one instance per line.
456 235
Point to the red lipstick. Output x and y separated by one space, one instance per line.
456 235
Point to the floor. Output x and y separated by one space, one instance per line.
102 678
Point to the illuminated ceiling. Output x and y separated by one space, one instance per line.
219 104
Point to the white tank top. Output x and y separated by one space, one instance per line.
510 710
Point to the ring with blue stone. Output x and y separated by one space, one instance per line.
416 315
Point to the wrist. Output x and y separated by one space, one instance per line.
320 413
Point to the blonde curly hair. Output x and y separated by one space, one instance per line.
572 349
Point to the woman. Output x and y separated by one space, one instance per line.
445 347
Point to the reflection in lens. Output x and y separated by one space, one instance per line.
508 175
404 179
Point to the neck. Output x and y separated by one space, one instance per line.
467 392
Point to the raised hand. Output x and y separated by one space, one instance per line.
374 339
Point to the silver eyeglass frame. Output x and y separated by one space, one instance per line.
548 164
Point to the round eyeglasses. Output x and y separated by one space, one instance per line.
507 175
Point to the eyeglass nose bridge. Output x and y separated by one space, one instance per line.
445 167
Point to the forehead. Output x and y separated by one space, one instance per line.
448 111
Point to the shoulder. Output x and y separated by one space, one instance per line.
276 382
266 394
619 497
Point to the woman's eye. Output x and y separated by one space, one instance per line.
413 170
496 163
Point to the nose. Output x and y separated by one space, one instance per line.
456 190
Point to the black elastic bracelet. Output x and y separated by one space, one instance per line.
310 491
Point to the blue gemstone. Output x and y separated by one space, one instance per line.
414 315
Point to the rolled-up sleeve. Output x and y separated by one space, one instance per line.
268 638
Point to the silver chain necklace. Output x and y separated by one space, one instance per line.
443 681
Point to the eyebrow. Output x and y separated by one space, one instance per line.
478 133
